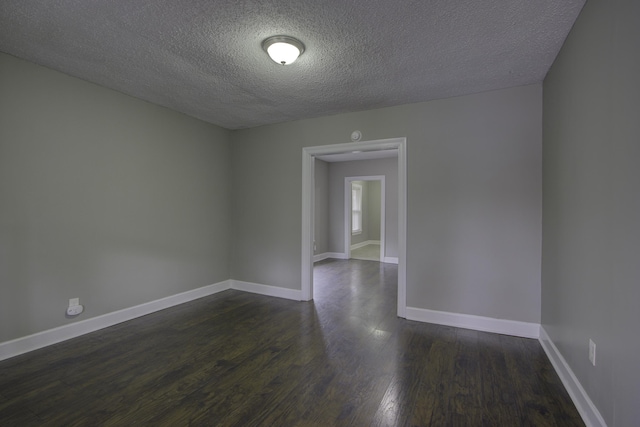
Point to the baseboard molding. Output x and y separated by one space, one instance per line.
62 333
478 323
365 243
272 291
327 255
338 255
588 411
320 257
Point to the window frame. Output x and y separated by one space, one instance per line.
356 208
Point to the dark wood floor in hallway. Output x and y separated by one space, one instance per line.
238 359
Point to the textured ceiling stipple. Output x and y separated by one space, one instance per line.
204 57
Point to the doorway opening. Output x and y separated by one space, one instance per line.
308 179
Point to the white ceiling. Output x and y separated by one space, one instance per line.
203 57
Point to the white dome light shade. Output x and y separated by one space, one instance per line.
283 53
283 49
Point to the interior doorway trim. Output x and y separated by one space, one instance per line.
348 180
308 198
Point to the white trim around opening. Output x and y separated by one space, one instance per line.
308 175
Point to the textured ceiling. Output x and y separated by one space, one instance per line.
203 57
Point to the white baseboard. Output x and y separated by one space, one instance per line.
62 333
478 323
273 291
365 243
338 255
588 411
326 255
320 257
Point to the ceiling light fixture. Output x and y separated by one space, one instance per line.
283 49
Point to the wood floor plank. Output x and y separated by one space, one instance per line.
434 389
557 400
465 403
240 359
532 399
499 396
16 412
399 399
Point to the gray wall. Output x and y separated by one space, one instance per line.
338 171
373 209
591 170
103 197
474 199
321 220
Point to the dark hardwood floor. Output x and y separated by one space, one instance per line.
238 359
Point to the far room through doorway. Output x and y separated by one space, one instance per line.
364 215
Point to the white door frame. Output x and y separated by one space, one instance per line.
308 177
347 211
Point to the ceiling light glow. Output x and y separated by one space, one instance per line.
283 49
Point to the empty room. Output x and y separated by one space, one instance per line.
319 213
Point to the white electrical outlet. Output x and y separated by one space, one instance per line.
592 352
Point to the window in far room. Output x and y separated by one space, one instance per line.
356 208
